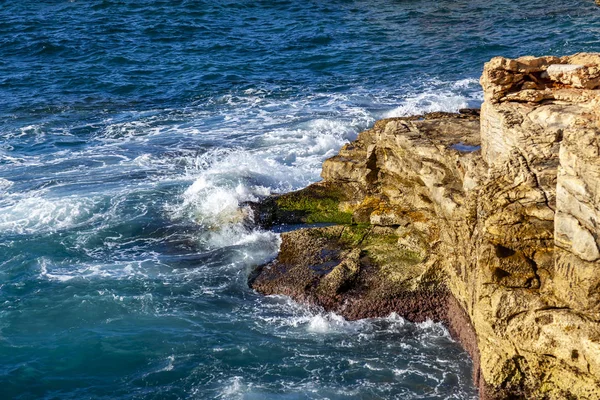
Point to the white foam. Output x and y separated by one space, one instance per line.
5 184
64 271
240 235
6 158
38 214
469 83
438 96
234 389
291 316
318 324
331 322
429 102
214 201
171 361
216 205
145 160
433 329
373 368
57 277
31 130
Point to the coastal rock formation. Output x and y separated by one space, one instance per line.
487 223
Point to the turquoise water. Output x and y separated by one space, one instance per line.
131 132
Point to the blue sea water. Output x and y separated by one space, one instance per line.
130 133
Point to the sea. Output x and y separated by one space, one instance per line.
133 131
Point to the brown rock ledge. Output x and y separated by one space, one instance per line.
490 225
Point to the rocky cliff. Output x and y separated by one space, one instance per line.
487 223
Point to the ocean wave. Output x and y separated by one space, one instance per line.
38 214
62 272
438 95
429 102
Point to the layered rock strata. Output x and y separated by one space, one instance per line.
489 224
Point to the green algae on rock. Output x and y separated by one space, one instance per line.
356 271
318 203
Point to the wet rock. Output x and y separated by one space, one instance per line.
320 202
355 271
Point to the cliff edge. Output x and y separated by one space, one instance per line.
488 223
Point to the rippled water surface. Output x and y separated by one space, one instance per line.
131 131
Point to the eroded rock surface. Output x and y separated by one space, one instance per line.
488 224
356 271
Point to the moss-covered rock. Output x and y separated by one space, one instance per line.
361 264
317 203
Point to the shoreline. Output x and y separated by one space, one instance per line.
484 223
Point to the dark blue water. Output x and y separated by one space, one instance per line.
131 132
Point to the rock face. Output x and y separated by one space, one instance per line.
489 224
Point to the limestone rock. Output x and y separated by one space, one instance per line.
494 220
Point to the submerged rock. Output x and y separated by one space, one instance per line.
489 224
